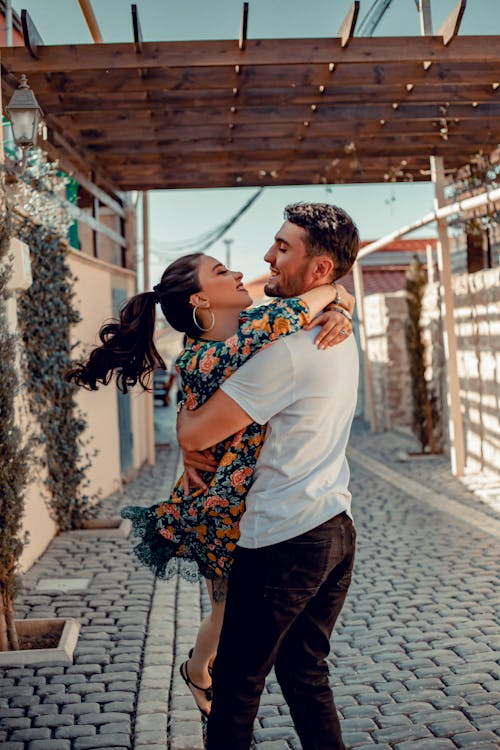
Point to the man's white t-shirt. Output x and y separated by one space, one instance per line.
308 398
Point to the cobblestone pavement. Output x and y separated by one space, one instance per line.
415 654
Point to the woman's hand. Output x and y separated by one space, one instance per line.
194 462
335 328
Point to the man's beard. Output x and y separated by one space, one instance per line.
288 290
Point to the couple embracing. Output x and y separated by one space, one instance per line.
263 510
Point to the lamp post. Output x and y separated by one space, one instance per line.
25 116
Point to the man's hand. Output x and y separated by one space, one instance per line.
335 328
194 462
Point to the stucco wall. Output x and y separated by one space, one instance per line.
477 318
95 281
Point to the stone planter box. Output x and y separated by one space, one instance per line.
62 653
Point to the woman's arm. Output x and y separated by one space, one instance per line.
318 298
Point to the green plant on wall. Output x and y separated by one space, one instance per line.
34 211
14 455
46 312
425 415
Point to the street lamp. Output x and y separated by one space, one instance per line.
25 117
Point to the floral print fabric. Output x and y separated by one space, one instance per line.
203 527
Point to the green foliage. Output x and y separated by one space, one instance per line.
425 415
14 450
46 313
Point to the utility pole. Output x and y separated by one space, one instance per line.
228 244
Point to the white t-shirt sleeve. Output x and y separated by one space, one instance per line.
265 385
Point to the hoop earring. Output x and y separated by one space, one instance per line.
195 321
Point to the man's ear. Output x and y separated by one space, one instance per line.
199 299
323 268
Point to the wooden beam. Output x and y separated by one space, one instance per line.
449 28
91 21
346 30
78 104
213 53
367 112
84 181
255 78
136 25
32 39
243 27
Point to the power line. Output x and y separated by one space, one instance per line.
202 242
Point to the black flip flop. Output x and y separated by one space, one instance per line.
183 669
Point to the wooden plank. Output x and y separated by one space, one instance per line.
449 28
84 217
346 30
32 38
136 26
253 148
163 121
215 53
114 81
84 181
78 104
243 27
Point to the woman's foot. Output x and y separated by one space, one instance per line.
202 695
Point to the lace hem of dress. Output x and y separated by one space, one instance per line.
167 559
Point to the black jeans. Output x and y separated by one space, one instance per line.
282 603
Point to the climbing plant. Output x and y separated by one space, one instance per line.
425 415
14 451
46 313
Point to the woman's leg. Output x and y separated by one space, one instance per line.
205 646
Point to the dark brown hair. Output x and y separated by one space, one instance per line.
127 345
329 230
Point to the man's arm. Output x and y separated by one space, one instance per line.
217 419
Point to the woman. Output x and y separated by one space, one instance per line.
206 301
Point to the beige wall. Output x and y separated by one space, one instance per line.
95 281
477 325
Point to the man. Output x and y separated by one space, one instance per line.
293 563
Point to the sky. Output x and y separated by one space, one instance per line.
181 215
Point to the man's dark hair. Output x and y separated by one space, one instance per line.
329 230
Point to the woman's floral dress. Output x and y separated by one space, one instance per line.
202 528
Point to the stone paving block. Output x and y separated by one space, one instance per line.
26 735
12 745
469 739
52 744
355 739
117 727
401 733
78 709
96 719
15 722
106 741
273 733
71 732
53 720
426 744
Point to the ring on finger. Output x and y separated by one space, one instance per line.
343 332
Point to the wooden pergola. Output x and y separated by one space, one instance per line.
236 113
207 114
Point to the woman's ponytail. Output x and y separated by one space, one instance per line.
127 349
